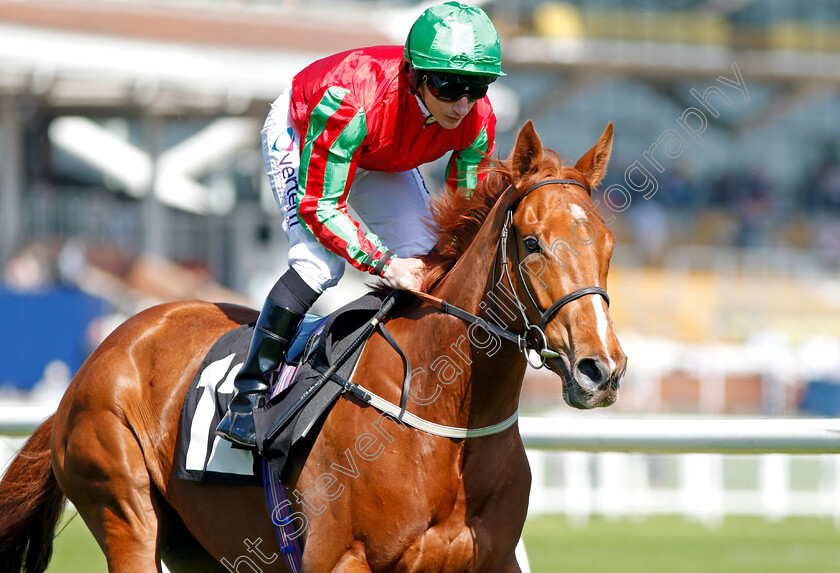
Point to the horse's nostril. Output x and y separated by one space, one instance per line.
591 373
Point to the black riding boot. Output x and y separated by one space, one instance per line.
273 333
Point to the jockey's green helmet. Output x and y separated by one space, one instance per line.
454 38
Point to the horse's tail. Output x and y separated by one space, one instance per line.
30 505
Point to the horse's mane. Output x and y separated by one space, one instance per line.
458 216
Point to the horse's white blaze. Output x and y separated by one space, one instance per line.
577 211
603 323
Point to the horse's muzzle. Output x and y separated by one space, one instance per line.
591 383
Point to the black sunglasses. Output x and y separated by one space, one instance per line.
451 87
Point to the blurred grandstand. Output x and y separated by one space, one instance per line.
131 173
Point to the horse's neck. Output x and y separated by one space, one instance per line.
493 379
465 285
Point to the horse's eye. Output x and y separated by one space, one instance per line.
532 244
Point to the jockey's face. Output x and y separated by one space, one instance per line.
447 113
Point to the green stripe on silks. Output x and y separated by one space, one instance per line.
335 180
336 171
469 159
321 114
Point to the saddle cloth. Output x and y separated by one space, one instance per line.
203 456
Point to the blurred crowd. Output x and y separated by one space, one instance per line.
742 209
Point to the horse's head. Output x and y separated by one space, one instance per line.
562 248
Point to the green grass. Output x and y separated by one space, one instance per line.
75 550
674 545
654 545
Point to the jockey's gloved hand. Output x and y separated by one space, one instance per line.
405 274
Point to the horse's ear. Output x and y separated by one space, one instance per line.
527 151
593 164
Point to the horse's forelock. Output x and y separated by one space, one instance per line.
457 217
551 166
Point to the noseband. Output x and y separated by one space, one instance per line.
547 314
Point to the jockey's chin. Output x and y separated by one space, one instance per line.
448 114
449 122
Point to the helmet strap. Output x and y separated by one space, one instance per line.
424 110
415 77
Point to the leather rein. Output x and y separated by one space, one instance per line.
521 340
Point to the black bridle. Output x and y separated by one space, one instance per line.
521 340
549 313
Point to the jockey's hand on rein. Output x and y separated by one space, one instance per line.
405 273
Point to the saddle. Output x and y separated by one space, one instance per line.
325 365
313 374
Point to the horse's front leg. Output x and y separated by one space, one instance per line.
354 561
511 566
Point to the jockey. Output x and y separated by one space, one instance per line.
353 128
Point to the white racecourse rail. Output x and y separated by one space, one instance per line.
632 473
616 466
683 435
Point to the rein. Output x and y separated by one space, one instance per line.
545 353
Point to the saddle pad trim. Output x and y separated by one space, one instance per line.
278 506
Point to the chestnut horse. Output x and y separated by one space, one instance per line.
372 494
